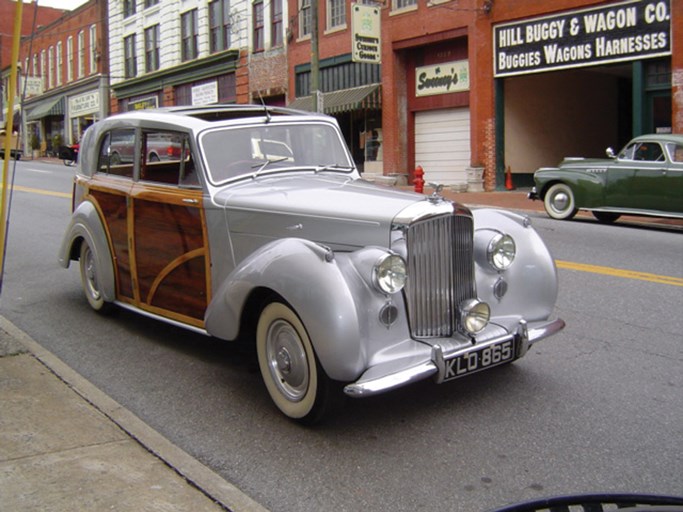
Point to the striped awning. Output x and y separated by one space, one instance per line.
49 107
344 100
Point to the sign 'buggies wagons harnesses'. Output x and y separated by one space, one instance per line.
612 33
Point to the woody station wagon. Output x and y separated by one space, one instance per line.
260 228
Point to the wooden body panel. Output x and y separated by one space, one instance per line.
158 238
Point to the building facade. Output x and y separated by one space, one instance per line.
42 16
472 86
63 69
191 52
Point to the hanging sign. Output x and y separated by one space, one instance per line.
366 29
444 78
610 33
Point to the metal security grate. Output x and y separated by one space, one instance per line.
440 274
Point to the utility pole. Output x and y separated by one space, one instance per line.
315 59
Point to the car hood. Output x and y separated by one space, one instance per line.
341 212
582 163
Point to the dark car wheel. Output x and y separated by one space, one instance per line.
606 217
559 202
290 369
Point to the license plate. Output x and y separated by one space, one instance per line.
481 359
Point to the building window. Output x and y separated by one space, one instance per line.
219 25
59 57
128 8
304 18
402 4
151 49
34 64
50 66
131 68
43 69
69 59
188 35
93 49
259 43
336 13
276 33
150 3
81 54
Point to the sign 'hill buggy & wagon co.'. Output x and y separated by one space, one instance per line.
610 33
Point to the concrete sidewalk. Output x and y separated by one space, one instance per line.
65 446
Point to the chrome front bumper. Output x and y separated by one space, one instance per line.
390 376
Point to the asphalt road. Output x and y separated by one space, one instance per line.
598 407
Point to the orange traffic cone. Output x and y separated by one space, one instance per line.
508 179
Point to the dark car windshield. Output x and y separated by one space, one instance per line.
235 152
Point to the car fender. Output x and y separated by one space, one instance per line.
86 224
309 278
588 187
531 282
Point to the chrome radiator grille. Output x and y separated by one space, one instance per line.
440 273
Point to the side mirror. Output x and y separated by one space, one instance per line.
610 153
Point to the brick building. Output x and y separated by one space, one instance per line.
42 16
497 84
65 68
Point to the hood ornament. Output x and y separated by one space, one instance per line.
436 196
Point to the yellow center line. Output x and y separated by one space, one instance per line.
628 274
42 191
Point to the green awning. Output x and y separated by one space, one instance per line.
344 100
51 107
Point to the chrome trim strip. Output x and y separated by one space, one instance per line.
161 318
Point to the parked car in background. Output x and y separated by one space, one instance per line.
645 178
262 230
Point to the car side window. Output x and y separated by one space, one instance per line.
116 155
676 152
649 152
166 158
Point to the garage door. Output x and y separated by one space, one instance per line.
442 144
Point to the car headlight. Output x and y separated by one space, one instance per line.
474 315
501 251
389 274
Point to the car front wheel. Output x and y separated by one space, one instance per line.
290 369
559 202
90 279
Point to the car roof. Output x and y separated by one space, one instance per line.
661 137
203 116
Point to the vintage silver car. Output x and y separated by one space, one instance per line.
263 230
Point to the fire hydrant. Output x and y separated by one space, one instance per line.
418 180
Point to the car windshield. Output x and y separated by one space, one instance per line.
248 151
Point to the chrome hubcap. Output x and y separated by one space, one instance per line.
90 275
560 201
287 360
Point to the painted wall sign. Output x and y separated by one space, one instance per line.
610 33
83 104
205 94
366 31
144 103
444 78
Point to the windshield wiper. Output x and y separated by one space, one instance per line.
333 167
265 164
